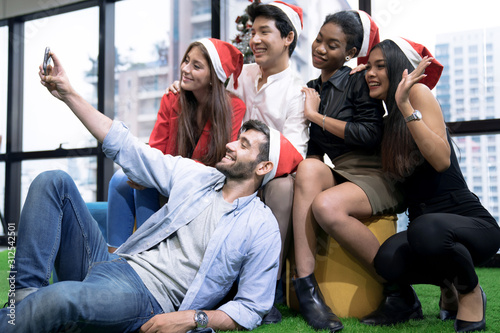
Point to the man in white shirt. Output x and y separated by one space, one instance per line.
271 90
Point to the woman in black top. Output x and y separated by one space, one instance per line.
449 230
346 124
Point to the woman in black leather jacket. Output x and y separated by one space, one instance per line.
346 125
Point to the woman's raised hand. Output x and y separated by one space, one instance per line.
408 80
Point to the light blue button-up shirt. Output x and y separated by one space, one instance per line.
244 246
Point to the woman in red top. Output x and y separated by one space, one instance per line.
197 123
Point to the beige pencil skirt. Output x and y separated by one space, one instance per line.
365 170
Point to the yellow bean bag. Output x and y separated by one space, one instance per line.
348 288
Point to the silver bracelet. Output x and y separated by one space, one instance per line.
324 116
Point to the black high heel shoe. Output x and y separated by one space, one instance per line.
399 305
446 314
471 326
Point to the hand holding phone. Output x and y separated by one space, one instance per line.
46 59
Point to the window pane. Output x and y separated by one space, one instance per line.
4 48
456 44
149 51
479 162
48 123
82 169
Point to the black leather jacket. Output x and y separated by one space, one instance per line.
346 97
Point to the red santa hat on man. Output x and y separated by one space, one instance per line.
370 36
294 14
225 57
283 154
415 52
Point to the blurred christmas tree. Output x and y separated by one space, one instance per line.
242 39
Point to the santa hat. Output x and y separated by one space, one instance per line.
415 52
226 59
370 36
283 154
294 14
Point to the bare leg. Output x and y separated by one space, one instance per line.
470 305
337 211
313 177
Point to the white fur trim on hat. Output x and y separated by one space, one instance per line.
292 16
408 50
274 153
214 56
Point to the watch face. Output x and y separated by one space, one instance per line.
416 115
201 318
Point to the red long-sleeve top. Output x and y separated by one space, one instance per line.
164 134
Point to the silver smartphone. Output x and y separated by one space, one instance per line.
46 60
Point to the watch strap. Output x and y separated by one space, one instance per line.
416 115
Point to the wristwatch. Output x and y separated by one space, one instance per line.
201 319
414 116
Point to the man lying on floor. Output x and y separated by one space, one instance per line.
183 260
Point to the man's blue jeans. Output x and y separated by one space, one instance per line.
98 292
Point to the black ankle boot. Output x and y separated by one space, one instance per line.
312 305
399 305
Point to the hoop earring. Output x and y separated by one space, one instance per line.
347 58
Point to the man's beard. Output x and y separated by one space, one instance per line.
237 170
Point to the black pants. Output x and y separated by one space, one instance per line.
445 239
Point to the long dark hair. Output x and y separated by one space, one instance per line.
400 154
218 112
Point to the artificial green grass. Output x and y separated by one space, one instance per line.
489 279
429 297
4 275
